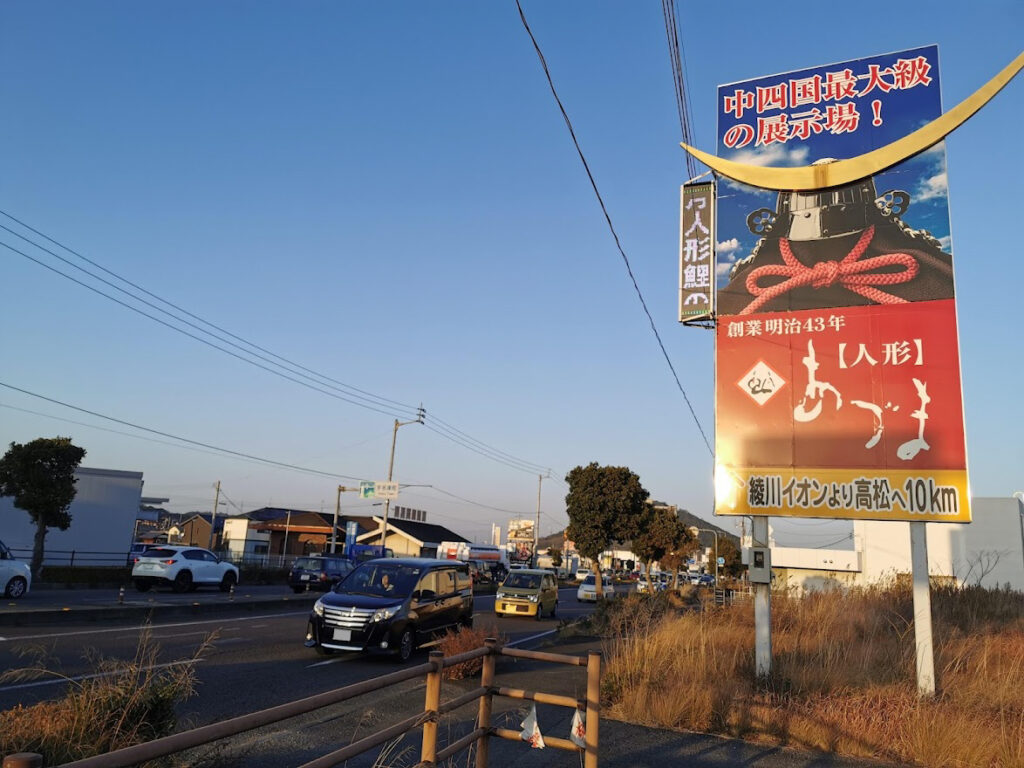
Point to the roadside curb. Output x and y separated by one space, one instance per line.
37 617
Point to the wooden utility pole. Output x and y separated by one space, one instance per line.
213 517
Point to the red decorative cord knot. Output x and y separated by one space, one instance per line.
851 273
825 273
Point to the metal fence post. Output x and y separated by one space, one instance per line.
593 708
23 760
483 719
428 752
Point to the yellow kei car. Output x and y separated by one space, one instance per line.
527 592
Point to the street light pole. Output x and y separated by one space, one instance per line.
420 414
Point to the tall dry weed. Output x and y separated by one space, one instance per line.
843 674
123 703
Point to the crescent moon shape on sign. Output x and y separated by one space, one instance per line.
847 171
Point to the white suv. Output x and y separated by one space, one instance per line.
15 576
183 569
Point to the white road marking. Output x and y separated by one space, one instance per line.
185 634
152 626
39 683
340 659
532 637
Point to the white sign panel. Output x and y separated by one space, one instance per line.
386 489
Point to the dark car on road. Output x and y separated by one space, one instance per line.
318 572
392 605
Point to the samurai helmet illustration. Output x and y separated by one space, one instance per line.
825 213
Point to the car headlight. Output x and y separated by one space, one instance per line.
383 614
499 595
533 598
318 607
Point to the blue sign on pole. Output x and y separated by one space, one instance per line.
351 529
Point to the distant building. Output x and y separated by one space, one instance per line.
409 538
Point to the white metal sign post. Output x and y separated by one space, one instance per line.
922 610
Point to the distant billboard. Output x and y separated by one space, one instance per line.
520 529
838 387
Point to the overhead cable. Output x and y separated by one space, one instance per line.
611 227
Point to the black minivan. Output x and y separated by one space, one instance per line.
318 572
392 605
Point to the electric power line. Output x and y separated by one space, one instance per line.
228 451
353 390
611 227
343 392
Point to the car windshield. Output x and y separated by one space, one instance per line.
589 580
380 580
522 581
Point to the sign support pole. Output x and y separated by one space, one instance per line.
762 607
922 611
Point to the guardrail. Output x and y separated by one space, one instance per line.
430 755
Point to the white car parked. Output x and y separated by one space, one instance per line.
183 569
587 593
15 576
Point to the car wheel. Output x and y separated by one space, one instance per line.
406 645
229 580
540 612
182 582
16 587
298 590
142 586
553 609
467 621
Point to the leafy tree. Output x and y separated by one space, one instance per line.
40 475
604 504
730 553
664 540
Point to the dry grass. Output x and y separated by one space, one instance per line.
126 703
843 674
467 639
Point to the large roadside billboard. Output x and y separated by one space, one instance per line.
838 389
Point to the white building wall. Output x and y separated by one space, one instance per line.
989 550
103 518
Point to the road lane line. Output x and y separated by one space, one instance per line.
76 678
532 637
353 657
152 626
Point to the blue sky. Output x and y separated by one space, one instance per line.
386 194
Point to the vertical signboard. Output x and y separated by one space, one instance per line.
696 252
837 363
520 540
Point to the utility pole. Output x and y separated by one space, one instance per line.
420 415
287 528
337 512
213 517
536 526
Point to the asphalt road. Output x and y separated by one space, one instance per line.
254 661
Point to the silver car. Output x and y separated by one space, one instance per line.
15 576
